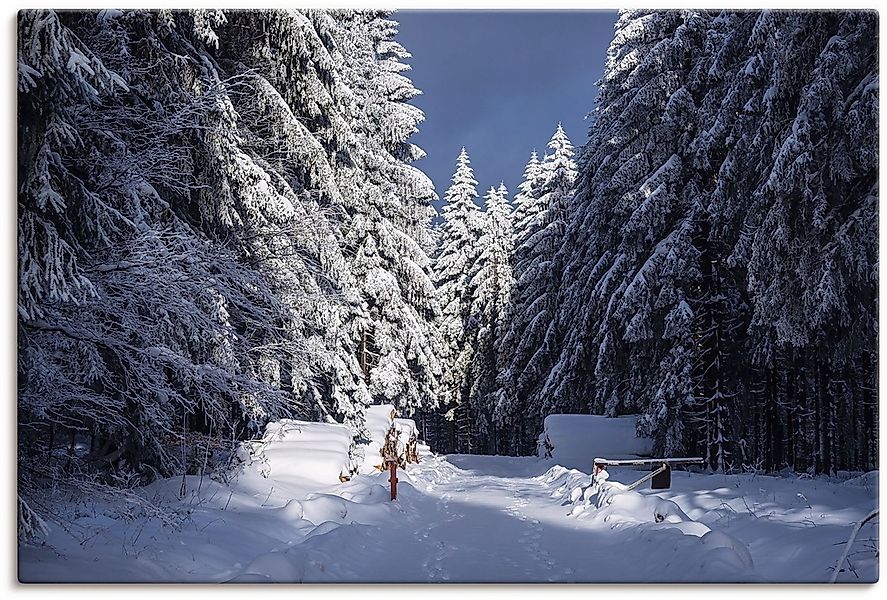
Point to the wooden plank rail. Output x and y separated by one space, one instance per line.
649 461
660 473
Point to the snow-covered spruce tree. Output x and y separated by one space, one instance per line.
338 77
526 211
387 231
628 261
767 63
406 243
510 409
162 343
490 288
249 203
814 247
183 211
718 182
731 154
529 340
271 97
458 247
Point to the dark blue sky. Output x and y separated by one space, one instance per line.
498 83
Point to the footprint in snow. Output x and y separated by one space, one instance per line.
432 565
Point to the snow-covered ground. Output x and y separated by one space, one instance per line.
461 518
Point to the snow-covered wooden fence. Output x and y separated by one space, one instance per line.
660 469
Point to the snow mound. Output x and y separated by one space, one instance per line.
273 567
367 506
312 451
564 481
718 539
721 556
380 418
370 494
574 441
612 501
868 480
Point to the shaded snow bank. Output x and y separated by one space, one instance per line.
283 489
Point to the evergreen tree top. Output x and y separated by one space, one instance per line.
531 180
463 177
463 191
496 200
559 167
560 145
497 228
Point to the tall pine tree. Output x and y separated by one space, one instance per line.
529 342
458 238
490 286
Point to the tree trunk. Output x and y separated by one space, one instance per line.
363 356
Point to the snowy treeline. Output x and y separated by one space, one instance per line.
218 225
714 267
497 285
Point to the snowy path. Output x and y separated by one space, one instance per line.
469 525
493 518
487 531
486 518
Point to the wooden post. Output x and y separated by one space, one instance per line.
392 470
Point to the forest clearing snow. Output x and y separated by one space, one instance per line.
461 518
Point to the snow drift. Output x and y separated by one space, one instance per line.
314 451
649 519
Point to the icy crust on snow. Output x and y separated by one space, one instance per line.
576 440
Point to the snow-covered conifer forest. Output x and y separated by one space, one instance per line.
219 226
708 259
224 229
